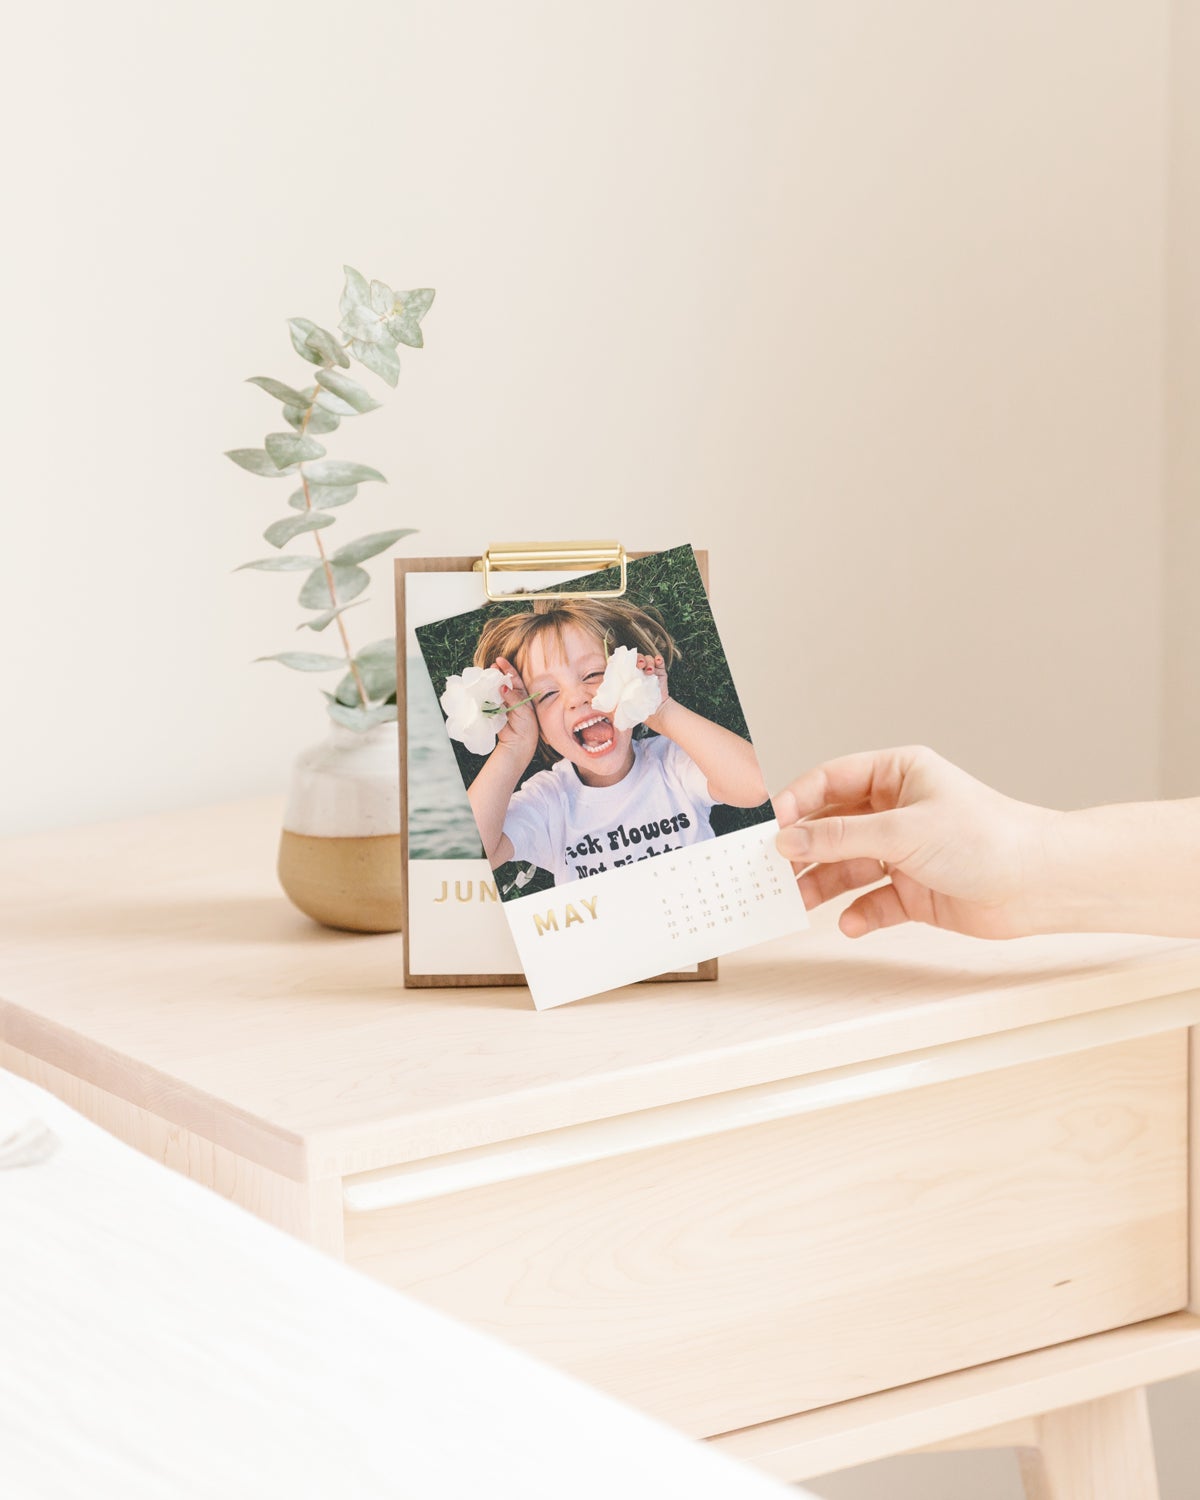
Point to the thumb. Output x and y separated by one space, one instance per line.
886 835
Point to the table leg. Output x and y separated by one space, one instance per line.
1102 1450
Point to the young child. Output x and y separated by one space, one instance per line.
606 799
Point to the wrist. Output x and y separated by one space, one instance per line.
513 756
1074 878
664 714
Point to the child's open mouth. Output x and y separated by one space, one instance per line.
595 735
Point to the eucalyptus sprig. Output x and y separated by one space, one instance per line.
374 321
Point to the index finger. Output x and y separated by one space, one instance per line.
871 778
507 667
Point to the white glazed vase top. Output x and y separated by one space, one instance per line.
346 786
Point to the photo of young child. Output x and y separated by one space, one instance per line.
589 735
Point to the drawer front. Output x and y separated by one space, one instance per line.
730 1280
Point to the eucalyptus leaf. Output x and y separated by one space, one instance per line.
338 471
355 395
323 496
319 622
299 330
315 420
411 307
383 299
415 303
356 292
286 564
292 448
279 533
306 661
347 693
327 401
362 718
381 358
378 651
378 678
256 461
369 327
329 496
369 546
328 347
276 388
348 582
315 344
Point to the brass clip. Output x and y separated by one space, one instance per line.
547 557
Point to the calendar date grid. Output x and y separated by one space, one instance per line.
715 890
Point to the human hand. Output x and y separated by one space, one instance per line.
520 733
655 666
955 853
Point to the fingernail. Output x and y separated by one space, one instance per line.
794 843
786 808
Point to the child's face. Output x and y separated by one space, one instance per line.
565 681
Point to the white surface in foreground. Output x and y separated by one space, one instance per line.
158 1341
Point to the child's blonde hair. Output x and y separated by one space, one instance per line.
613 622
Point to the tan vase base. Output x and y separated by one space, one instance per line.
352 884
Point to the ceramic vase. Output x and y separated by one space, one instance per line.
339 853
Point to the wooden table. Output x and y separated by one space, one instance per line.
852 1200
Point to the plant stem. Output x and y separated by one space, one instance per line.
325 563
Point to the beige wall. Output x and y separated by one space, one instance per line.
1181 747
869 299
866 298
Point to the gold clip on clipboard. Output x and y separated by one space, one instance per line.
550 557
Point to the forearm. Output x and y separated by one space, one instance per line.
491 792
1134 867
726 759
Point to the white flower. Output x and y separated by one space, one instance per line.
475 713
634 694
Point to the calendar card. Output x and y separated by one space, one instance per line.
614 789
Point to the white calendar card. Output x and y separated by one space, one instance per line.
615 793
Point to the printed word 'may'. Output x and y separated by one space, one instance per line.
549 922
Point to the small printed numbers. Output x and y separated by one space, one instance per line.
720 890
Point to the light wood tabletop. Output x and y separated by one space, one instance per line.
842 1171
159 954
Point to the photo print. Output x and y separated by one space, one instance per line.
455 931
613 784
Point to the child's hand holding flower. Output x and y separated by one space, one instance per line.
520 729
484 705
634 687
475 708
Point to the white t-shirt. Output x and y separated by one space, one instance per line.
558 822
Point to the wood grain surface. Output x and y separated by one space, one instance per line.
814 1259
158 960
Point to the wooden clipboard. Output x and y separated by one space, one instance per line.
549 557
